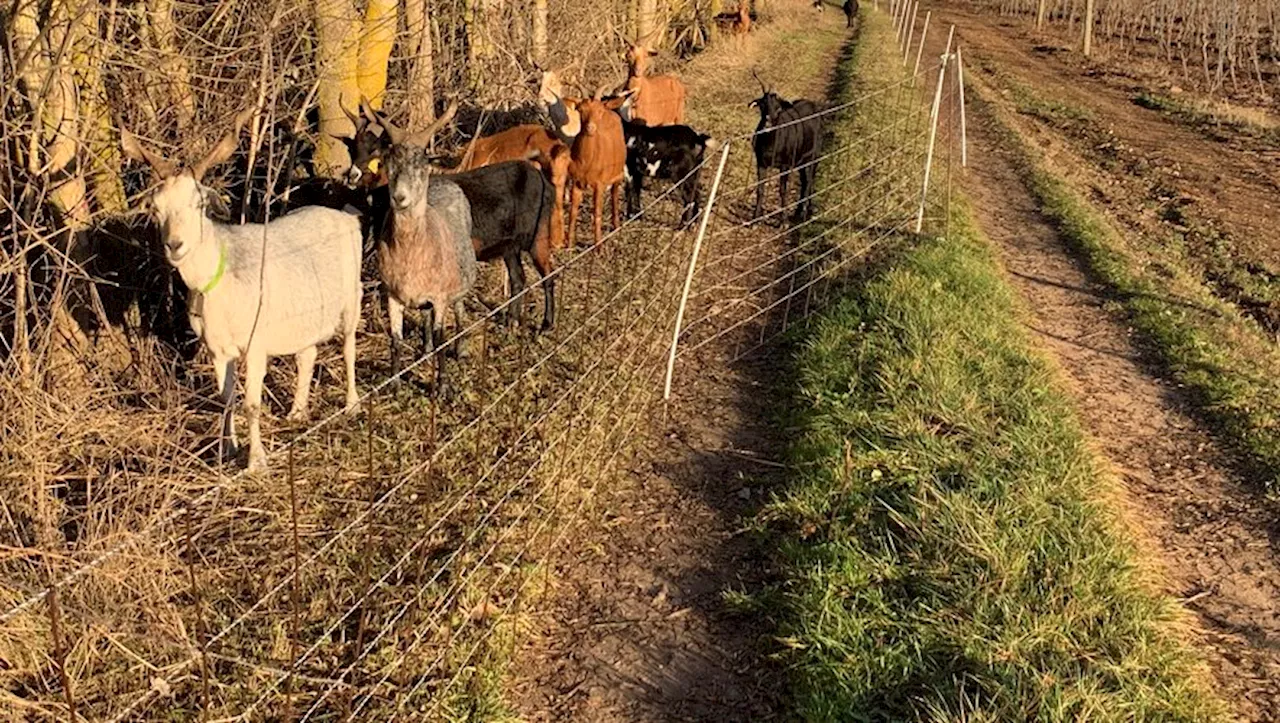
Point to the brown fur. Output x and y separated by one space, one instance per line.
536 144
742 25
598 159
659 99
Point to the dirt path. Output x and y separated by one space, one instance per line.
1204 196
1213 537
637 626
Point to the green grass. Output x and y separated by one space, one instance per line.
1223 358
949 545
951 550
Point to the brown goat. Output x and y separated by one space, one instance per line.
598 159
659 99
537 145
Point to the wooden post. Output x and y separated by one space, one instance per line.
924 35
933 129
693 265
1040 8
1088 27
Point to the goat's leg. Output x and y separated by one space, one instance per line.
690 200
597 213
395 313
635 186
575 200
433 317
782 196
542 262
306 360
460 319
350 319
617 206
807 182
255 371
759 209
515 277
224 370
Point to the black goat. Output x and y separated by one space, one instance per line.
666 152
511 206
788 138
850 12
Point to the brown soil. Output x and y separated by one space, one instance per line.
637 626
1212 536
1208 193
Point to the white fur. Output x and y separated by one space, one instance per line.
305 291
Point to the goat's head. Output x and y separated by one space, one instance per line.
181 203
596 111
408 168
365 149
637 57
566 121
769 103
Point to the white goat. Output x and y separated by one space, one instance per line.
258 291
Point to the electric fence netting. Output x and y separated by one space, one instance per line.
367 573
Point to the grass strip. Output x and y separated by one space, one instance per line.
1231 367
950 545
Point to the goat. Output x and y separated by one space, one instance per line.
668 152
788 137
850 12
258 290
512 205
424 254
659 99
527 142
598 156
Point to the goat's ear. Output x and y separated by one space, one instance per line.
214 205
754 104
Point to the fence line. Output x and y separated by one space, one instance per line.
500 474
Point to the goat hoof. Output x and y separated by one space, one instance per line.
546 326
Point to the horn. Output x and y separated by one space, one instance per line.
225 147
394 132
131 148
600 92
421 138
354 118
763 89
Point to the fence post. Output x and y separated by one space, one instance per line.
933 129
924 35
693 265
911 30
964 129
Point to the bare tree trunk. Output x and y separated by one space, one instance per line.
420 47
647 22
338 53
173 67
539 34
379 34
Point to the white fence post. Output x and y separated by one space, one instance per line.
911 31
964 130
924 35
693 265
933 130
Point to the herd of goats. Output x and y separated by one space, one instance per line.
280 288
